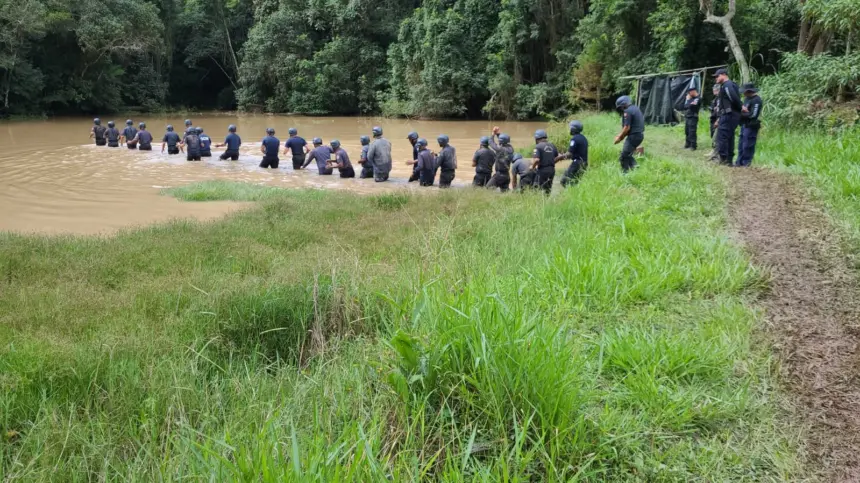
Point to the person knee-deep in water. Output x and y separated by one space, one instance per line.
320 154
504 156
544 158
340 160
232 141
191 145
129 135
98 132
297 147
483 161
447 161
366 167
143 138
270 146
426 164
171 141
205 143
112 134
413 140
379 155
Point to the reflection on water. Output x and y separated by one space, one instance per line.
53 179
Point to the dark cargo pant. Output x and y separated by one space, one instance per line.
545 177
726 136
746 145
481 179
445 178
691 127
573 173
501 181
632 142
298 161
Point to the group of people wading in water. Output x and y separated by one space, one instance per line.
497 165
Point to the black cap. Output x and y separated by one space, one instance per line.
749 87
694 88
720 72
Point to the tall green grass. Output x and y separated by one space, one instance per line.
601 334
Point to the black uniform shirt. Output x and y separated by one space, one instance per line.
447 159
752 118
692 105
546 153
484 159
633 117
578 148
730 98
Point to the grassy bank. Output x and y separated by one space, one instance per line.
600 334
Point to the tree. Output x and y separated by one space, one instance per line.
725 21
21 23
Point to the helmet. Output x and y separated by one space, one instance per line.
504 139
270 131
421 143
169 127
231 128
128 122
576 127
141 125
335 144
293 131
317 141
377 131
485 141
198 130
365 140
540 134
443 140
187 122
413 136
517 156
97 122
623 101
111 124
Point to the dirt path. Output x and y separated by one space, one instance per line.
813 312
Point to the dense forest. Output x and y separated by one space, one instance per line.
432 58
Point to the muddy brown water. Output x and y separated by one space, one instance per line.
53 179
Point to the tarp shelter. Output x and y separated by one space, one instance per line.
660 96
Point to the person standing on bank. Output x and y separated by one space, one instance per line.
504 156
483 161
366 167
522 174
691 121
191 143
426 164
447 161
750 125
379 156
171 140
715 116
730 116
321 154
632 131
98 132
128 135
341 160
112 134
143 138
270 147
577 152
413 140
232 141
298 147
543 159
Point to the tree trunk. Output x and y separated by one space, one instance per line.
725 22
803 37
822 44
9 81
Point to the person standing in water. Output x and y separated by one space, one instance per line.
143 138
366 167
205 143
128 135
543 159
191 143
270 147
379 156
321 154
522 174
504 155
426 164
298 147
483 161
232 141
447 161
340 160
188 124
112 134
171 140
98 132
413 140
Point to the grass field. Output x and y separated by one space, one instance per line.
604 333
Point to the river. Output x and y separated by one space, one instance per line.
53 179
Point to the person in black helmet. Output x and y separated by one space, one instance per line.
340 160
447 161
321 154
730 105
522 174
187 125
205 143
366 167
232 141
543 160
577 152
98 132
504 156
426 164
297 146
691 121
191 145
379 156
632 131
413 140
483 161
143 138
270 147
171 140
128 135
112 134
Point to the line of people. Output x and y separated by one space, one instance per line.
496 162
